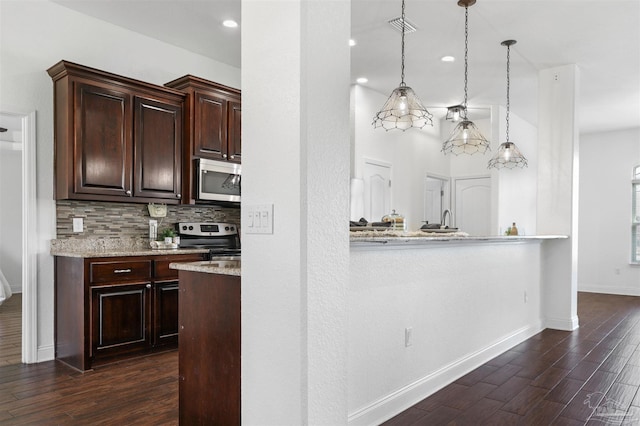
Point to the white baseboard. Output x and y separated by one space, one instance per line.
563 324
46 353
622 291
398 401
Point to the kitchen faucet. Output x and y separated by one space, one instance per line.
444 217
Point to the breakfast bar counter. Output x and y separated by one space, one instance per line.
431 308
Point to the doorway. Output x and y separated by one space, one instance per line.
21 262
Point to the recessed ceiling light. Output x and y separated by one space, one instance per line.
362 80
447 58
230 23
352 42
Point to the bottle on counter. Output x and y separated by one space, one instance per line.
513 230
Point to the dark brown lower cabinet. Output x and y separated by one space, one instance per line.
165 308
209 349
120 320
112 308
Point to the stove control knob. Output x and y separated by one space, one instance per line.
233 228
226 228
190 228
184 227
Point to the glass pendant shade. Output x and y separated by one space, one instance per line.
466 139
402 110
508 157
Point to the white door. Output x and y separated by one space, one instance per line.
377 190
435 198
472 210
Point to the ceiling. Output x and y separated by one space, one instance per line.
601 36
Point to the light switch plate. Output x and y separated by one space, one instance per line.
259 219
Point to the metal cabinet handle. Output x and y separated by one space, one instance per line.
232 157
178 195
148 285
121 271
224 155
128 192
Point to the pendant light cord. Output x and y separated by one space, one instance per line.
402 83
508 84
466 58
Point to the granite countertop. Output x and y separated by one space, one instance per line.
214 266
112 247
421 238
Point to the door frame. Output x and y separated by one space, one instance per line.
29 234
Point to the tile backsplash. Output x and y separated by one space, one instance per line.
129 220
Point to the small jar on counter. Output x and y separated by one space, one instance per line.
397 221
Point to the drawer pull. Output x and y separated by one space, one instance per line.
148 285
121 271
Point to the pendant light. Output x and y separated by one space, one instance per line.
465 138
508 155
403 109
454 113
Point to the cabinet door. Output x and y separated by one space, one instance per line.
165 314
120 318
210 124
158 149
234 133
103 150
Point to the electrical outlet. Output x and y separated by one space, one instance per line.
78 224
408 336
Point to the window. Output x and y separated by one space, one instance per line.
635 216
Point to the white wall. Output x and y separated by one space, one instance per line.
35 35
517 188
606 166
11 215
464 303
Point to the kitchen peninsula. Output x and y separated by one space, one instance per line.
209 345
425 310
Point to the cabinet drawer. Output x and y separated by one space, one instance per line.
108 272
161 266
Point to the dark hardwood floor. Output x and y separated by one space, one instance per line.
11 330
589 376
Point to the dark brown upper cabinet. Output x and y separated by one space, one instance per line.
116 139
211 127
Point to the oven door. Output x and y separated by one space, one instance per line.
218 181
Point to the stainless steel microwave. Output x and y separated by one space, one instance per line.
218 180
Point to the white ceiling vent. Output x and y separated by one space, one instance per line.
408 26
